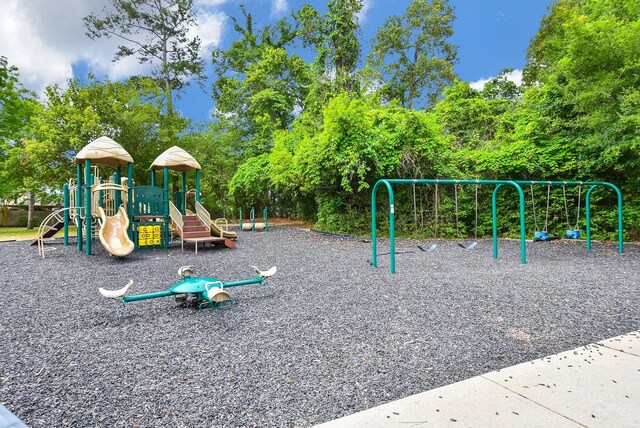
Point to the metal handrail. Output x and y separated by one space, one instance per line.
204 216
44 226
226 223
176 216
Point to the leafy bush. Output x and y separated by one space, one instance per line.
22 220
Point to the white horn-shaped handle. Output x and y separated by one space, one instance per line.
186 271
116 294
266 273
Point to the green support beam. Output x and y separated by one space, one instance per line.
87 206
198 186
79 204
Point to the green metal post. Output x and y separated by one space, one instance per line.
266 219
588 216
494 220
100 194
118 180
79 203
240 218
184 193
87 202
252 216
197 185
65 196
153 177
392 241
129 206
257 280
166 204
494 217
146 296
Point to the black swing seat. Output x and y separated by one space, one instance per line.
431 249
471 246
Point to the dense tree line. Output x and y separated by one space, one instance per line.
309 138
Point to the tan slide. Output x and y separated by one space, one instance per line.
113 233
216 231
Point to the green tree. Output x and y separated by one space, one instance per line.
154 31
18 106
260 86
412 55
583 68
343 46
129 112
358 144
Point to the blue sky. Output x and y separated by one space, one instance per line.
46 39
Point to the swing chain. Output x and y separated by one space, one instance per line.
415 211
533 205
578 210
435 217
566 207
455 189
476 225
546 216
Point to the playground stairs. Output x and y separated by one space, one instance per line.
195 231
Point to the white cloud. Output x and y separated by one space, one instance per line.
362 15
210 27
279 7
514 76
45 38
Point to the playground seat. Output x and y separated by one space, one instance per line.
186 271
266 273
215 292
246 227
116 294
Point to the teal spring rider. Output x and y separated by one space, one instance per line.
210 293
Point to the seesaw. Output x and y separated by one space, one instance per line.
210 292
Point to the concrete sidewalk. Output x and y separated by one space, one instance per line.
597 385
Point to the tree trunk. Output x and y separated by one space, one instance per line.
167 89
32 202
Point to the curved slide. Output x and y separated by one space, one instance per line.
113 233
216 231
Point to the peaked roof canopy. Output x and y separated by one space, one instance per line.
176 159
105 151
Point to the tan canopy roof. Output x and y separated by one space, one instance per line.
104 151
176 159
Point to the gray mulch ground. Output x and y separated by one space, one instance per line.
327 337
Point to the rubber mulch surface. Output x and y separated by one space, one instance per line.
328 336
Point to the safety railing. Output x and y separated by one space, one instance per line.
203 215
176 218
50 223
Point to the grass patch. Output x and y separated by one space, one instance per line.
21 233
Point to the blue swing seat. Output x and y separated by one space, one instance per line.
572 234
541 236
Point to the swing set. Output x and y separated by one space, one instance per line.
517 184
470 246
572 232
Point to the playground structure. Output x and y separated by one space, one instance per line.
254 226
124 216
210 293
219 227
498 184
